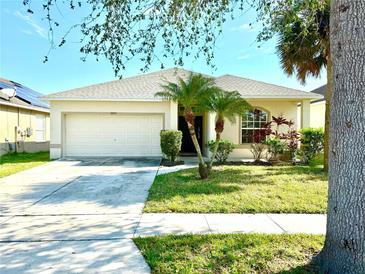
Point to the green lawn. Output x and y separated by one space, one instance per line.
12 163
231 253
241 189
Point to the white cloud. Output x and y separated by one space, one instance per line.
27 31
243 56
246 27
36 28
266 50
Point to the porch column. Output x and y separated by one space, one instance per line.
55 133
210 130
305 114
174 115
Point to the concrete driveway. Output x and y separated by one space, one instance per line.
74 216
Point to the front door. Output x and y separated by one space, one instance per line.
187 144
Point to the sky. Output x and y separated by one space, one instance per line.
24 42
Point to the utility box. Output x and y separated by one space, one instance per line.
29 131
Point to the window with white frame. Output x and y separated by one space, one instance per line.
252 121
40 128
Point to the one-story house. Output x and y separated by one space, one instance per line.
24 119
124 118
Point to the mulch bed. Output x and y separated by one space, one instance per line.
241 163
168 163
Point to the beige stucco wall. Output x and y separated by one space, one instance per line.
317 114
11 117
60 108
232 132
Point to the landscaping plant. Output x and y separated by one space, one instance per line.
259 137
222 150
292 141
226 105
171 143
276 139
191 94
312 143
275 147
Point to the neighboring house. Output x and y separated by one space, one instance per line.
124 118
317 109
24 119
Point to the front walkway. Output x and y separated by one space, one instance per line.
152 224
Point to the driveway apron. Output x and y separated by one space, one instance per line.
74 216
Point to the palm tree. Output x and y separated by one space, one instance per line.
305 53
227 105
191 95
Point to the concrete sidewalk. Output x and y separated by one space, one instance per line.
152 224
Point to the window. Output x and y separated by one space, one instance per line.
40 128
251 122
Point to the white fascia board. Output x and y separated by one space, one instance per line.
25 107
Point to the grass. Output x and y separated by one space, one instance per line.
231 253
15 162
241 189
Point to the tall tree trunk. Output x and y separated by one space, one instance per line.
328 111
203 169
344 250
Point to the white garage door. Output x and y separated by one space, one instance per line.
112 135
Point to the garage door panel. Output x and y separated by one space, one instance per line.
113 135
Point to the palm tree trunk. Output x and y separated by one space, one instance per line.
327 116
212 158
203 170
219 126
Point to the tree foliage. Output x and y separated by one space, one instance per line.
302 28
121 30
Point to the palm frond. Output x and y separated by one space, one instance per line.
227 104
301 53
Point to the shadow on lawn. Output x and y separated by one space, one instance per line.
295 170
229 179
186 183
253 253
310 268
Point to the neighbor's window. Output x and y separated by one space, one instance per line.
40 128
251 122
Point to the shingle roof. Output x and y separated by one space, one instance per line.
321 90
143 87
256 89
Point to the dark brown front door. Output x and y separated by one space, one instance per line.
187 144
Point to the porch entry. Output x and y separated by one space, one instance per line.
187 144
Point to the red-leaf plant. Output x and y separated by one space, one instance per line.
291 136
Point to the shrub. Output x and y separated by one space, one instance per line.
259 137
312 142
171 143
275 146
225 147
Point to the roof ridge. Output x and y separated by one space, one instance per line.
258 81
117 80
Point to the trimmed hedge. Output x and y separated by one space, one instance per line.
171 143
